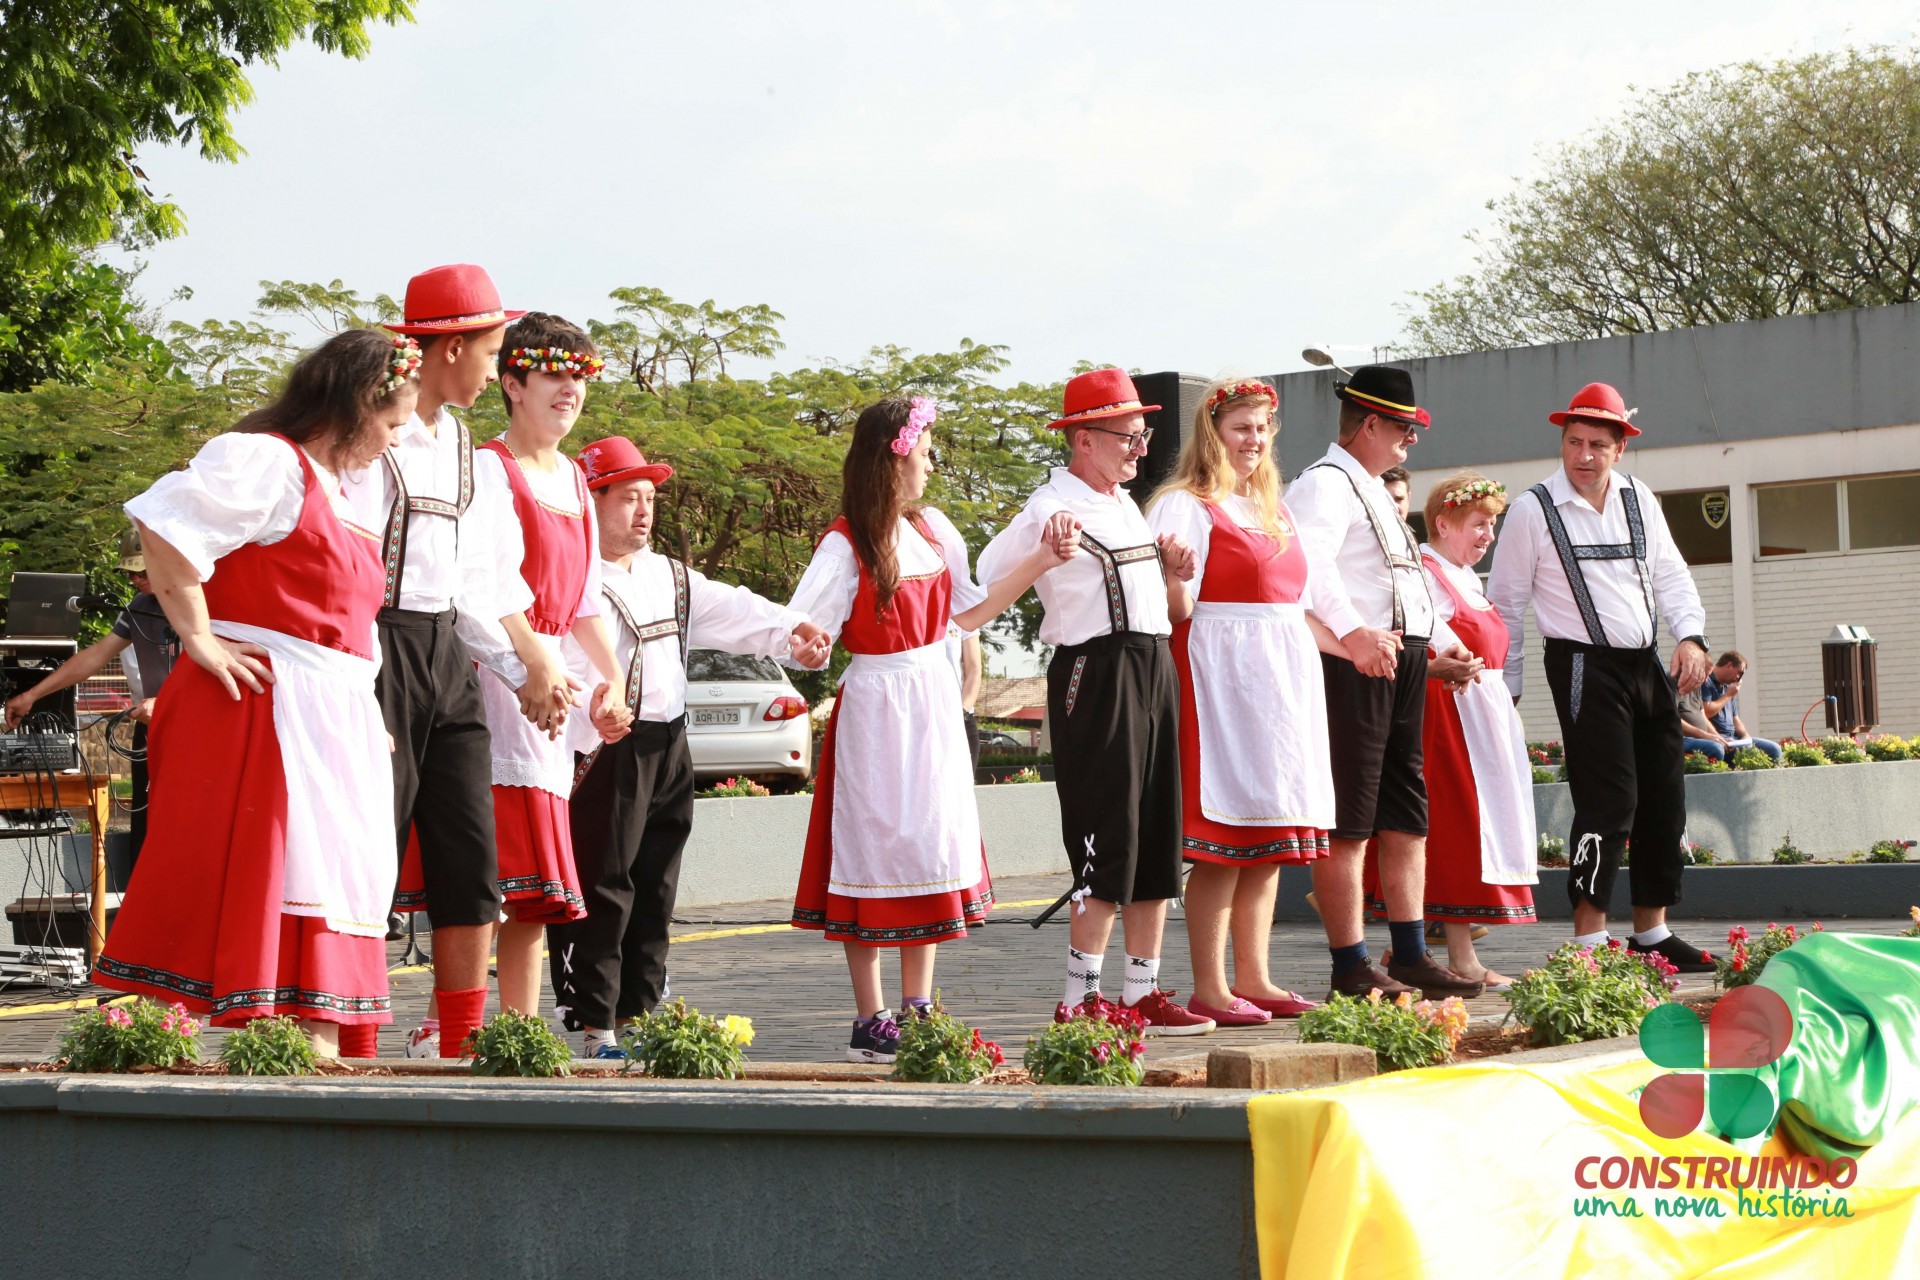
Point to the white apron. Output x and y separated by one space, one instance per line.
341 862
1261 708
523 755
898 717
1497 751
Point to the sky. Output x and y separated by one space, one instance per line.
1205 187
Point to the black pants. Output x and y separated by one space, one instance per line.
1620 726
442 765
972 722
1373 730
631 816
137 820
1113 710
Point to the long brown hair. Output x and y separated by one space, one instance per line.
870 495
331 392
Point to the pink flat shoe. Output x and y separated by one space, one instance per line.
1288 1006
1241 1013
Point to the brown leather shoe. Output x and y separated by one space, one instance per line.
1357 982
1434 980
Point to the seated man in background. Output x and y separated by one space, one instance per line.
1697 732
1720 701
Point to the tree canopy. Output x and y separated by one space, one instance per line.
1737 194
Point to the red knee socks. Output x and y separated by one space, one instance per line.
460 1013
359 1039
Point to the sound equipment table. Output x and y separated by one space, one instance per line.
75 791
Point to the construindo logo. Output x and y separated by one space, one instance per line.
1713 1066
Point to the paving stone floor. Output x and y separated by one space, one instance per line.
1005 978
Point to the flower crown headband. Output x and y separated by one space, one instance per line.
1472 492
920 416
554 360
402 365
1242 391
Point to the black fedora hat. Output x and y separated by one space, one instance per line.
1381 389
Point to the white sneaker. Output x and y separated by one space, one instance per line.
422 1043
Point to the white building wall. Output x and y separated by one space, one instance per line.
1798 600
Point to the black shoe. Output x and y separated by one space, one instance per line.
1682 955
395 930
1434 980
1358 982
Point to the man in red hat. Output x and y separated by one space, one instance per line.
1590 551
1113 704
632 805
1373 595
451 546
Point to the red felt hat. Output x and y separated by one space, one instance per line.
617 458
1597 402
454 299
1102 393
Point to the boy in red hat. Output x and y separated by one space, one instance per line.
632 804
449 543
1589 549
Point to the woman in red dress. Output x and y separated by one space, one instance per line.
893 856
1256 779
264 882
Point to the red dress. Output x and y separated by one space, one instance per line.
202 923
916 618
1243 569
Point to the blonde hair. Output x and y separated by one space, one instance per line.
1205 471
1492 499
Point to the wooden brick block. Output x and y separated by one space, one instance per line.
1287 1066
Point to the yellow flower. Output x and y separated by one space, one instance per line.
1373 996
737 1029
1915 913
1403 1001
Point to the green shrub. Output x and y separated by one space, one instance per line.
119 1037
1024 775
1002 759
1746 958
1889 850
1699 762
269 1047
1889 747
1841 749
1552 850
1702 855
1403 1035
517 1044
938 1048
1750 758
677 1043
1789 854
1100 1044
1802 755
733 787
1542 775
1589 993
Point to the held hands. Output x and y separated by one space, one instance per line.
1178 557
1689 666
1059 539
547 696
811 646
230 662
609 714
1372 651
143 711
1456 668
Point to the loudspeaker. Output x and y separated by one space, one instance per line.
1178 395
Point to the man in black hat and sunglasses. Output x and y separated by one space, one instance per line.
1370 591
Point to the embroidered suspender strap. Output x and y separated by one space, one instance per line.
1397 561
1110 564
1572 553
674 626
1637 531
393 546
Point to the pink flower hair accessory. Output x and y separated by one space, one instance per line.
920 416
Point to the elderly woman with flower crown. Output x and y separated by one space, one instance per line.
1480 821
1256 779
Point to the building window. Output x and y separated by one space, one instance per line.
1798 519
1883 511
1701 524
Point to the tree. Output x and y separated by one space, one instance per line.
66 318
1738 194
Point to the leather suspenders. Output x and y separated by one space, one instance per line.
1397 562
393 545
1572 553
674 626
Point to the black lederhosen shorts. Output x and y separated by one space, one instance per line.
1373 728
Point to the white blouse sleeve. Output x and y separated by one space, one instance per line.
953 549
590 596
240 488
826 590
491 587
1185 516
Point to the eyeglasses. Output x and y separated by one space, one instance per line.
1135 439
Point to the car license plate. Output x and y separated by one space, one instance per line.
716 715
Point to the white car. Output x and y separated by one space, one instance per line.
745 720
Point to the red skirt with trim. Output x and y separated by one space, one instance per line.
1455 890
201 924
875 922
535 840
1201 838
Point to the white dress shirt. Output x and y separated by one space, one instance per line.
1074 595
471 564
733 619
1527 570
1361 589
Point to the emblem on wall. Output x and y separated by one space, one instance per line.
1713 509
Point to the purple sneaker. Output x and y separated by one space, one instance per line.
875 1039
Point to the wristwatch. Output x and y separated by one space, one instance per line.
1699 640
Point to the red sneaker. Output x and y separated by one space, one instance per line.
1165 1018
